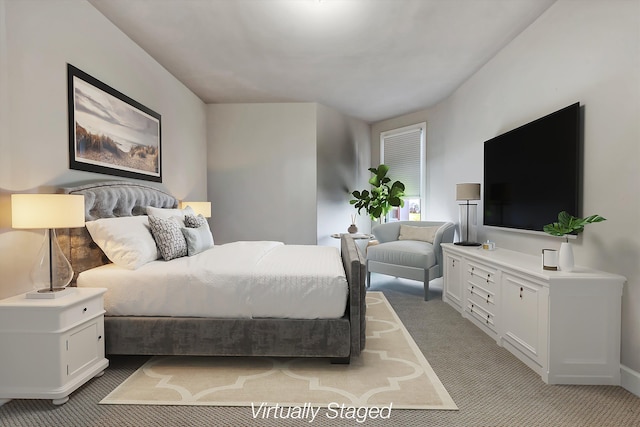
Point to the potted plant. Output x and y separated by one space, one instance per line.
384 194
568 224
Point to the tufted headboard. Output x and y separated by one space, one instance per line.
107 199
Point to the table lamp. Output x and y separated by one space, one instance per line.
467 192
52 271
203 208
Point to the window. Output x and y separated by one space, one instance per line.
403 150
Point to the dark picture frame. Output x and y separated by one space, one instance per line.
109 132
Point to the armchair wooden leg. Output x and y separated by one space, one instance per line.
426 286
368 279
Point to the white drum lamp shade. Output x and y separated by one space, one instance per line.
52 272
203 208
47 211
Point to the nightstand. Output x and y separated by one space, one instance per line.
50 347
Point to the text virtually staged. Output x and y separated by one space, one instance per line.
307 412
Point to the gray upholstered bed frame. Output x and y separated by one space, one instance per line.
338 339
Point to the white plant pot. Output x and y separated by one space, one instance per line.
565 257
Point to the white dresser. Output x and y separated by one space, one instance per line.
563 325
50 347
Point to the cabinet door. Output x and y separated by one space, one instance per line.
453 281
525 313
83 346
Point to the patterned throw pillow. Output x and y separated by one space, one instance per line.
192 221
169 238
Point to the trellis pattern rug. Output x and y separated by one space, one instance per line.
391 372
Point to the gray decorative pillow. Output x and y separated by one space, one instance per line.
168 236
198 239
193 221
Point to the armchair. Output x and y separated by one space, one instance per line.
409 249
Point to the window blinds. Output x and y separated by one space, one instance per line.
402 153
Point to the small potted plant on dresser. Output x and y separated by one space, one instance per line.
568 224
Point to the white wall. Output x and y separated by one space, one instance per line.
37 39
343 159
586 51
283 171
262 172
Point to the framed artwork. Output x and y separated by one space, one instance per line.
109 132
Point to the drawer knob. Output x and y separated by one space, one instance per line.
99 337
84 310
521 290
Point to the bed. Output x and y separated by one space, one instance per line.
338 337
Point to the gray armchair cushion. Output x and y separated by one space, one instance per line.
410 253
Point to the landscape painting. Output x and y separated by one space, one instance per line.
109 132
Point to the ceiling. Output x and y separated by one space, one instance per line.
370 59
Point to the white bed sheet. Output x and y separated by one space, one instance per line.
234 280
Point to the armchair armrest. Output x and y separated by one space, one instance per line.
387 232
443 235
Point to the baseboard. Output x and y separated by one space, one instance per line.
630 380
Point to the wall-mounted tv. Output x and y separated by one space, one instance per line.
532 173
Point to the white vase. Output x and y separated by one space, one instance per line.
565 257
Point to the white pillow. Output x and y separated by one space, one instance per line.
425 234
170 213
126 241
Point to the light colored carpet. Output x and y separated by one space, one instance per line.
390 371
491 387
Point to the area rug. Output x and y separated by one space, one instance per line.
390 373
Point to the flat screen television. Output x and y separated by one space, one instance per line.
532 173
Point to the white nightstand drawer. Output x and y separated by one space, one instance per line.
81 312
21 314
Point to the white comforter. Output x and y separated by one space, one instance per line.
235 280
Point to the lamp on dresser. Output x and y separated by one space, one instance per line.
466 192
52 271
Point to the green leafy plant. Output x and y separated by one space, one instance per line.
569 224
384 194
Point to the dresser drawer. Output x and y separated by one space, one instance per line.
482 297
481 275
480 314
